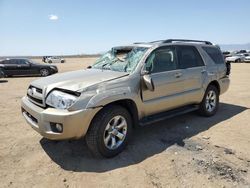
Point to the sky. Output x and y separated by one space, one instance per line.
64 27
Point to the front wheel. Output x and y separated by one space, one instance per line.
209 105
109 131
44 72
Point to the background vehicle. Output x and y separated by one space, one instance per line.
53 59
21 67
44 58
236 58
226 54
128 86
247 59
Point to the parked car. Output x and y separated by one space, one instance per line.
21 67
128 86
53 59
241 52
226 54
247 59
44 58
236 58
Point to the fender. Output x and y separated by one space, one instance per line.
109 96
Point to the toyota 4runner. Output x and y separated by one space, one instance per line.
128 86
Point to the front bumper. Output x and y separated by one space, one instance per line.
75 124
53 71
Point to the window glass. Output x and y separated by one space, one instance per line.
214 54
161 60
22 62
188 57
13 61
4 62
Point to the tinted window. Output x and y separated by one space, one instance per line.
160 60
188 57
12 61
22 62
214 54
3 62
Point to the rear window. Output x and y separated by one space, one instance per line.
214 54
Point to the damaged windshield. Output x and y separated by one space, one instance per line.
120 59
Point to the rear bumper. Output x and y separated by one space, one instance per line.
75 124
224 84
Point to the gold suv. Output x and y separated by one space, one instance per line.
128 86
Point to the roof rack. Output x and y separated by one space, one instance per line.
186 40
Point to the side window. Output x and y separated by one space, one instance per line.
214 54
189 57
4 62
13 61
22 62
161 60
7 62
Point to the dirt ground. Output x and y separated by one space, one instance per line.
185 151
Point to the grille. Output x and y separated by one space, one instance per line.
35 95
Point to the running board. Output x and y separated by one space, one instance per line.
166 115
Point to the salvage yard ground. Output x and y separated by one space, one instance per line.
185 151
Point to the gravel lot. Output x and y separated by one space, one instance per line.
185 151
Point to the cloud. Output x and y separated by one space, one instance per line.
53 17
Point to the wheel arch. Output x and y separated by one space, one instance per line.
129 105
216 84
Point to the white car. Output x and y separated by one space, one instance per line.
54 60
247 59
237 58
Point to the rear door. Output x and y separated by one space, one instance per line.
10 67
168 81
194 72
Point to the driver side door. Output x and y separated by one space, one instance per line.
23 67
168 80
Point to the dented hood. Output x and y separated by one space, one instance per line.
77 80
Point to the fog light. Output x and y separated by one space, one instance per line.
59 127
56 127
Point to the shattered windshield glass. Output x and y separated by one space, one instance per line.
122 59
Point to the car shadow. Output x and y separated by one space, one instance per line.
3 81
146 142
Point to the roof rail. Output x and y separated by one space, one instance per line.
186 40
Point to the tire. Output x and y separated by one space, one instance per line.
238 60
44 72
62 61
101 129
209 105
49 61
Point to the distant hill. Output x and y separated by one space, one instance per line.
231 47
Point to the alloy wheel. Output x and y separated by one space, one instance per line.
115 132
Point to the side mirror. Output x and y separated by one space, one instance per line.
148 82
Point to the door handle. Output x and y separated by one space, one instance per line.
203 71
178 74
18 65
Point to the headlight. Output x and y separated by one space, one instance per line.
52 67
60 100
